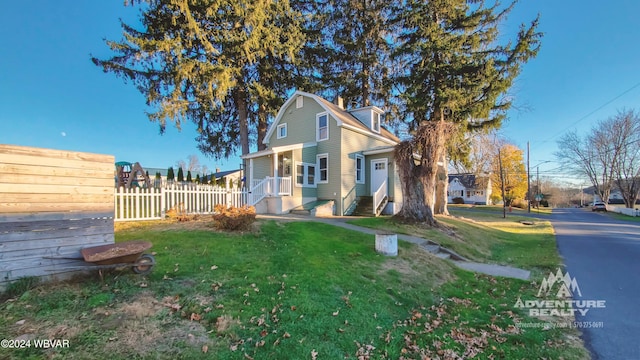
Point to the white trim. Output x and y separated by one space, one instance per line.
299 101
381 150
318 169
362 169
318 116
278 132
305 175
277 149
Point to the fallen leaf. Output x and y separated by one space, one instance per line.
314 354
246 356
143 285
260 343
340 330
233 347
286 335
264 333
195 317
20 322
336 313
293 308
277 342
214 267
205 348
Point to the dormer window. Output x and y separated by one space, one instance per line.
375 122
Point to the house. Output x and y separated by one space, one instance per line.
472 189
318 152
233 177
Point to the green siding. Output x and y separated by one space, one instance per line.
301 124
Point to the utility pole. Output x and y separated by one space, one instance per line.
528 181
504 201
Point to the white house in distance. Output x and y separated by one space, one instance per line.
471 189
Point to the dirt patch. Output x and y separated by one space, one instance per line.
415 264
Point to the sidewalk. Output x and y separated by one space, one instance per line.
428 245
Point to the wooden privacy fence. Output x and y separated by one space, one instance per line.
52 204
153 203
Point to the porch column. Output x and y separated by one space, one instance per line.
274 183
250 174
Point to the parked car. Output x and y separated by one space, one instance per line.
599 207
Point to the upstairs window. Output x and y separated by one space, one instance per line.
281 131
322 127
375 123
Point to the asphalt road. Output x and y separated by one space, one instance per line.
603 255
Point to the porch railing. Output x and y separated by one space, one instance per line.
379 196
269 186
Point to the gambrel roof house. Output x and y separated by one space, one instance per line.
319 152
472 189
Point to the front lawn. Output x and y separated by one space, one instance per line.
298 290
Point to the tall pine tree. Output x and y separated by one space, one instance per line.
200 61
456 72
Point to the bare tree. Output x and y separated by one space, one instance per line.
608 155
587 156
623 130
483 149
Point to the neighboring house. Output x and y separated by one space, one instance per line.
318 151
229 176
472 189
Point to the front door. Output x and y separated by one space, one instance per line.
379 173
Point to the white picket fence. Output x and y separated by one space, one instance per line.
153 203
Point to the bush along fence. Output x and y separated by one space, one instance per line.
154 203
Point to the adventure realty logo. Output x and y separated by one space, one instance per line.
563 290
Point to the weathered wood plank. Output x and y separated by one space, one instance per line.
66 215
54 247
53 207
47 224
59 198
56 162
27 180
53 189
27 240
53 153
39 170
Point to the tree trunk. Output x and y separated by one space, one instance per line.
262 127
442 185
243 122
418 176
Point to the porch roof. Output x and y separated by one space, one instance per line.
278 149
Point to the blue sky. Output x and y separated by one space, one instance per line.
52 96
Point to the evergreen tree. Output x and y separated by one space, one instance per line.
198 179
360 50
189 179
180 175
170 174
200 61
456 71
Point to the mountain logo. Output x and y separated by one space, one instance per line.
563 284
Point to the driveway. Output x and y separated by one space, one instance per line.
603 255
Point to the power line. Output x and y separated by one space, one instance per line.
590 113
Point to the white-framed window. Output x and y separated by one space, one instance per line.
322 127
359 169
299 101
375 123
281 131
323 168
305 175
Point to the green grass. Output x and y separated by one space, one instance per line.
284 292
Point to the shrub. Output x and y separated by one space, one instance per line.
234 218
519 203
458 200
